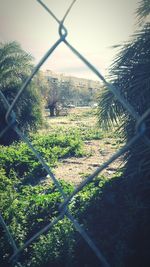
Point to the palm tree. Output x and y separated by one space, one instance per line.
15 66
143 10
130 73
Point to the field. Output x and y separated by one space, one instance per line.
98 145
73 147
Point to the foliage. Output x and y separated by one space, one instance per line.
26 209
58 95
15 67
130 73
143 10
63 94
29 208
117 219
115 212
53 97
19 158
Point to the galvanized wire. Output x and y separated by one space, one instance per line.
8 234
10 238
11 123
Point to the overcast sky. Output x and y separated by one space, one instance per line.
94 26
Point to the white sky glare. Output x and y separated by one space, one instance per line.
94 26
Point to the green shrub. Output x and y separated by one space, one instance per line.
26 209
19 157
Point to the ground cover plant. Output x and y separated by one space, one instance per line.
113 210
29 203
21 160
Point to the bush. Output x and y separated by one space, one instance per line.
19 158
26 209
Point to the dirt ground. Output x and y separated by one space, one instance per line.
76 169
97 152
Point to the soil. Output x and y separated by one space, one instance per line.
97 152
75 169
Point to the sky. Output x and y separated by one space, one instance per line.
94 27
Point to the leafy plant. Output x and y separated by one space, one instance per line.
15 67
19 158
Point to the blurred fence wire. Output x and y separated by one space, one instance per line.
11 123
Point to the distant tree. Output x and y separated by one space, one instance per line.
42 84
53 96
59 95
63 93
15 67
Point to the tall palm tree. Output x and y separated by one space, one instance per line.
15 66
130 73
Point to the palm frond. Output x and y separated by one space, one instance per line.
143 10
13 63
131 75
109 110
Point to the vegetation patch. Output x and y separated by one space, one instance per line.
20 159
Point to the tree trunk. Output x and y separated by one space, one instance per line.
52 111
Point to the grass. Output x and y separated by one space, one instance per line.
28 204
52 147
81 120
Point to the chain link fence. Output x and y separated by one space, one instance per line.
11 123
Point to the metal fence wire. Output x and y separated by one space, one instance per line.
11 123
